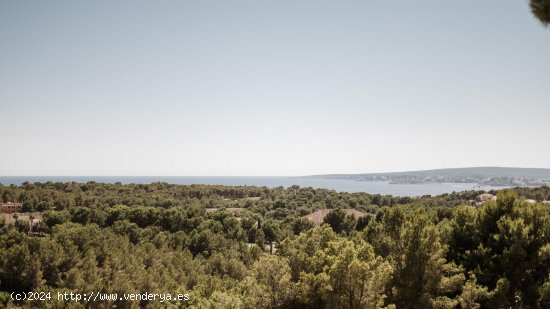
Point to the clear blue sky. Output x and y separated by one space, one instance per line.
271 87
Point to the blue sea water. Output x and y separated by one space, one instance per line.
340 185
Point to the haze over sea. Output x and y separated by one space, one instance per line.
340 185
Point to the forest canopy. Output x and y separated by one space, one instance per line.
253 247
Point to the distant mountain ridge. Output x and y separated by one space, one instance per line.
495 176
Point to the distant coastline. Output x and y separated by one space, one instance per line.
483 176
339 185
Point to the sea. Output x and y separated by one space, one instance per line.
339 185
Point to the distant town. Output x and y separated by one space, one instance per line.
483 176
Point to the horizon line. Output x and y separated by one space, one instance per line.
302 175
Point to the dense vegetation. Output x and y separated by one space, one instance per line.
541 9
428 252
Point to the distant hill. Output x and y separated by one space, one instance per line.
495 176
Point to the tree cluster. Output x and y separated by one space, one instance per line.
427 252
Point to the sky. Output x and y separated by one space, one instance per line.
204 88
